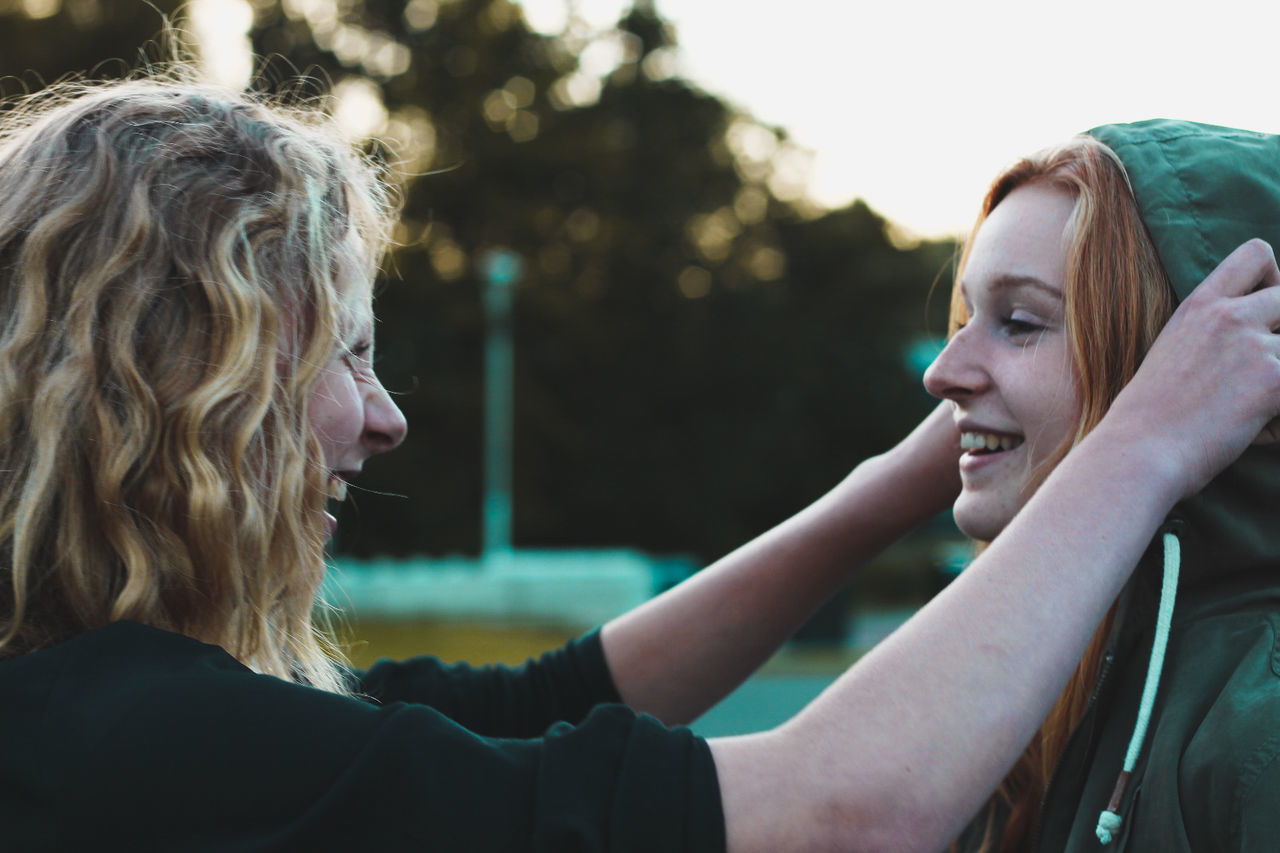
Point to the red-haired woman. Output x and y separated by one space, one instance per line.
1163 738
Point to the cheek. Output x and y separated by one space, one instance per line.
335 410
1056 414
1047 398
1052 412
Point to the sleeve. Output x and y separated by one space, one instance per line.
232 761
560 686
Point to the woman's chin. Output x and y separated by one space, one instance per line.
978 521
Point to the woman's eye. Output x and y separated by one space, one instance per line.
360 351
1015 326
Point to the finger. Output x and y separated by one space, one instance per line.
1270 433
1263 306
1251 266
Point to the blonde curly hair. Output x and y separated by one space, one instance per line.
172 262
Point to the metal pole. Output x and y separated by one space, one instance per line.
501 269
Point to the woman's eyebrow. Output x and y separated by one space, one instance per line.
1013 281
1009 281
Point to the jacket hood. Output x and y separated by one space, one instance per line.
1203 190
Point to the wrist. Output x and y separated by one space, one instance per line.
1129 454
925 466
894 491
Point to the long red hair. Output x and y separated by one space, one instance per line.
1117 299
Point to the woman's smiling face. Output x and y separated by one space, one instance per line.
352 414
1008 372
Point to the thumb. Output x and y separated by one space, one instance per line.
1270 433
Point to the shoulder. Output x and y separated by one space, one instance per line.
107 672
139 695
154 740
122 668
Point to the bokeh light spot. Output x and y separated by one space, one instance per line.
694 282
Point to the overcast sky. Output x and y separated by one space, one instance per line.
914 105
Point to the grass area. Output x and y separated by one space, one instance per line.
512 643
474 642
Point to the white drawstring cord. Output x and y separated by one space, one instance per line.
1109 821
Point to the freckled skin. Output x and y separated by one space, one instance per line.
1009 370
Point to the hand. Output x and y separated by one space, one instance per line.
925 464
1211 383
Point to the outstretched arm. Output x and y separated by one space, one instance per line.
682 652
903 748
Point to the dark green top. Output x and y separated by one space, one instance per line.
132 738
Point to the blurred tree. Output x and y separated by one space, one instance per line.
699 353
696 358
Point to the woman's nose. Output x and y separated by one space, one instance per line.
957 372
384 424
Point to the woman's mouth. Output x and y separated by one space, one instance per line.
981 443
336 490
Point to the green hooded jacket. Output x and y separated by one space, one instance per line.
1207 777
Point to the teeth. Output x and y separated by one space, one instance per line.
337 488
988 441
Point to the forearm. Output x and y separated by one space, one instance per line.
679 654
905 747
